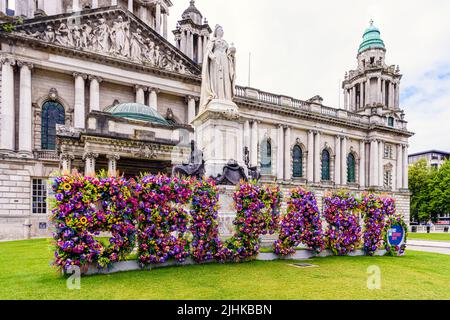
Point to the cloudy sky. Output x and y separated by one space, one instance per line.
303 48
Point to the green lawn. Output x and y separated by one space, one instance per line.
429 236
25 273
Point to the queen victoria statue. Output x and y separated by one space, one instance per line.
219 71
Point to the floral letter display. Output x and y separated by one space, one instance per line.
174 218
376 211
301 224
206 244
162 220
258 210
84 207
344 232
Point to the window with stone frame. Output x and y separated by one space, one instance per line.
391 122
326 165
266 157
39 196
297 161
52 114
388 151
387 183
351 168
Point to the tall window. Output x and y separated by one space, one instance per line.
52 114
351 168
387 181
297 161
39 194
266 157
325 165
391 122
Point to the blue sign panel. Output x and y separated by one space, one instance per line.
396 235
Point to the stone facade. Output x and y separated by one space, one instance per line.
103 88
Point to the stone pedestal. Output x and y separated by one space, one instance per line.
219 134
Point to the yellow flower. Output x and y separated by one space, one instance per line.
83 220
66 186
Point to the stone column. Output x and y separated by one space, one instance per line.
112 164
345 99
287 154
140 94
165 25
7 116
405 167
254 146
144 13
191 45
374 163
399 182
310 164
200 50
183 42
114 2
153 100
280 153
94 4
397 96
76 5
362 164
337 163
368 92
191 109
158 17
344 161
89 166
130 6
25 109
79 108
391 95
247 134
383 91
380 163
94 93
317 160
378 90
66 163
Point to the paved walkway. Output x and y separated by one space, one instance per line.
430 246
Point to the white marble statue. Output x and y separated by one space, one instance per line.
219 70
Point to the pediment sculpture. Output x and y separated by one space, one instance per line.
115 34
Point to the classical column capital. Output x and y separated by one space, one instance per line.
21 64
113 156
90 155
66 156
191 97
79 74
92 77
7 60
153 89
139 87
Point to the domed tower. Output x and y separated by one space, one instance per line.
192 33
373 83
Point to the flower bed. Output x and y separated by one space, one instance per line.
301 224
174 219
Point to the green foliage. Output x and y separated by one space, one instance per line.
430 188
11 26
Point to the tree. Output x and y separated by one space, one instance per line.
430 190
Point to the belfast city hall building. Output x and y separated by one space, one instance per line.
92 85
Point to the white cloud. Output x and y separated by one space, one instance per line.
303 48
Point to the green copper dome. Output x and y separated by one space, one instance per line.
137 111
371 39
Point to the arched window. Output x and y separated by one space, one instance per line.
351 178
52 114
325 165
297 161
266 157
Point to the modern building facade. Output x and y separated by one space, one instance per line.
97 84
434 158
